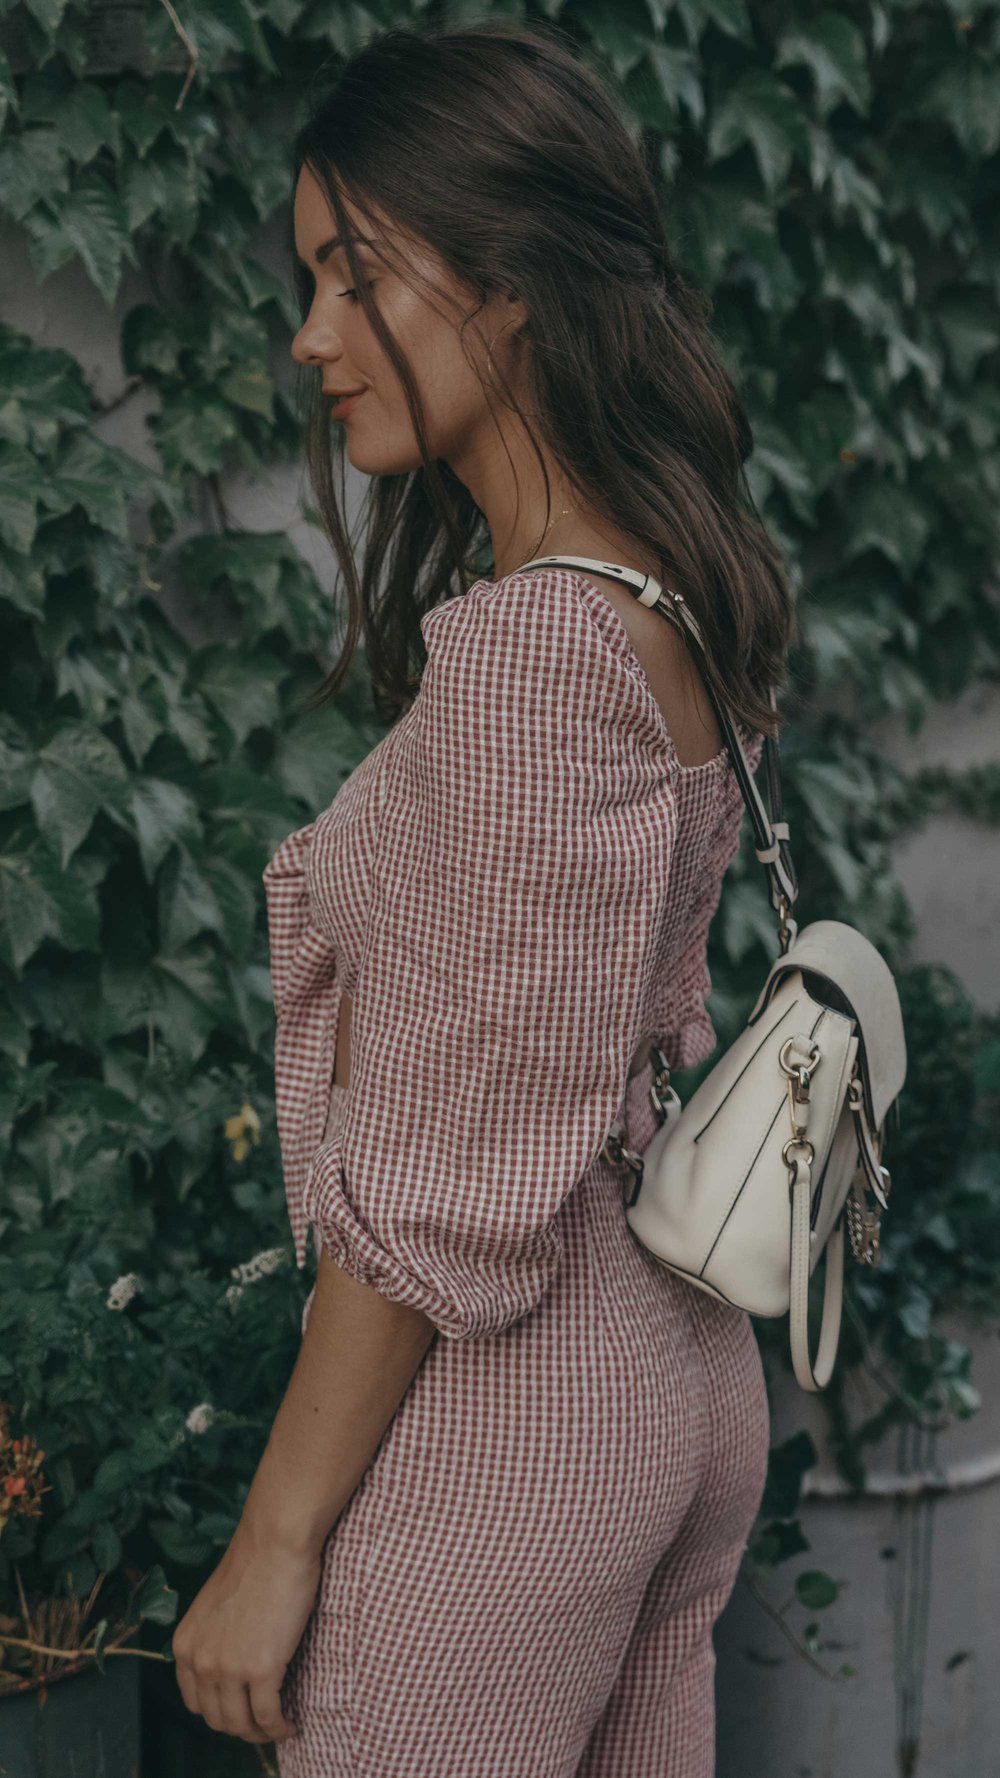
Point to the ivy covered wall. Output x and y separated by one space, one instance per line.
831 176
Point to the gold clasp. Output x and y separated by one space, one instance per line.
787 928
799 1076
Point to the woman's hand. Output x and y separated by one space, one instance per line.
234 1642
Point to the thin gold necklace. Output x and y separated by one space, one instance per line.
559 515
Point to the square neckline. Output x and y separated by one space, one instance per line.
626 648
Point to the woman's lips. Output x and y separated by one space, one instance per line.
345 404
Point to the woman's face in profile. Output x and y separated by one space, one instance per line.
338 340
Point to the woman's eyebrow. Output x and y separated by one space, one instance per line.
330 246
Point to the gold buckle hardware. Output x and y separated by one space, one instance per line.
787 928
799 1076
616 1151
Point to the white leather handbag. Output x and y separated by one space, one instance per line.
741 1189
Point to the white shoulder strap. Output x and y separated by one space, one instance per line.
770 829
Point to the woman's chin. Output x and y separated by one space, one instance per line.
371 454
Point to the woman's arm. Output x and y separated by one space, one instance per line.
358 1356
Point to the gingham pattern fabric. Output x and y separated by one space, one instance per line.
515 889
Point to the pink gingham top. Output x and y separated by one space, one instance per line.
514 888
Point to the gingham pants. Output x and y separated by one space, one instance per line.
524 1583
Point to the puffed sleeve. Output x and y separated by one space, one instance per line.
305 981
523 851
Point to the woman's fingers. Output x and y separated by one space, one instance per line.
251 1710
187 1682
236 1716
265 1702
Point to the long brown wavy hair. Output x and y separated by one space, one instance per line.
500 149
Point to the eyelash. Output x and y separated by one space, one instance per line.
353 293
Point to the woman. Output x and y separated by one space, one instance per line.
507 1492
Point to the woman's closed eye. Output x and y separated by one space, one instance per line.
369 282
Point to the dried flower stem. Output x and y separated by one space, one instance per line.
71 1654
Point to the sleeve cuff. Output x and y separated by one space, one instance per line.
463 1300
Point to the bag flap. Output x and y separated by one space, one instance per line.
859 981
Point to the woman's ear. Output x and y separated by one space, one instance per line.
516 318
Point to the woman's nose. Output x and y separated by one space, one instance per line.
315 343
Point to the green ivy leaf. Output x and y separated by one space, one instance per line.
39 900
91 221
941 1231
816 1590
243 688
787 1464
194 431
168 186
968 320
269 578
33 170
233 23
44 392
17 764
780 1541
833 47
8 90
677 74
148 342
914 1314
187 906
47 13
236 899
164 813
249 388
193 1001
964 96
78 772
97 477
893 520
78 111
762 113
18 503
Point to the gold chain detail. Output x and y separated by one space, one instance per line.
864 1227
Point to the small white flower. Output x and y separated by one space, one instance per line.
123 1290
260 1266
201 1417
233 1293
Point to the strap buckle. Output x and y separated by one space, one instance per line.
619 1154
664 1098
788 926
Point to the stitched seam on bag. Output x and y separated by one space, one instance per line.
746 1065
739 1194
